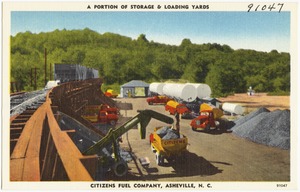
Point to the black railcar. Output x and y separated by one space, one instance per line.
73 72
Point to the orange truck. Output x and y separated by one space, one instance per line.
101 114
174 107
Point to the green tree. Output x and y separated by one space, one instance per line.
120 59
224 78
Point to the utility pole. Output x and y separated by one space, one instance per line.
31 77
50 72
35 68
35 87
45 66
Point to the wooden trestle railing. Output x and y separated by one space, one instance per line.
43 151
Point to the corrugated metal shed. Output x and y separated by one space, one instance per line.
135 88
136 83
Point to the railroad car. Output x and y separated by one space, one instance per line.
73 72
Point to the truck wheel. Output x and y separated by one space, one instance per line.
150 103
193 128
159 159
120 168
113 122
207 128
152 148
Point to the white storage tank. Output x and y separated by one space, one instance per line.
167 89
203 90
206 90
233 108
181 91
156 87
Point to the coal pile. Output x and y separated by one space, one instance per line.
171 134
167 133
162 131
250 116
265 127
29 100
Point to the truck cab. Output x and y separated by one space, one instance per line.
204 122
174 107
109 110
105 117
158 100
101 114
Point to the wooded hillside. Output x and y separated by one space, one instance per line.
120 59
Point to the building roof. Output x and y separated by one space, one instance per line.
209 99
136 83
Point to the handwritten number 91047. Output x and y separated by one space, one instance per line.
271 7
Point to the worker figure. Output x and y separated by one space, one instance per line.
250 91
177 123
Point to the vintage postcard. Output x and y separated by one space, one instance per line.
127 95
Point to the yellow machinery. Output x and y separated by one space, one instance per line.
111 93
170 148
218 113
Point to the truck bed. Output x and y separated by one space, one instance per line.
169 147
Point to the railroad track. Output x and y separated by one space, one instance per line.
40 150
23 106
17 125
19 103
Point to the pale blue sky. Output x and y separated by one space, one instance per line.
262 31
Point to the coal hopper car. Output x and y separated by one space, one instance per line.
73 72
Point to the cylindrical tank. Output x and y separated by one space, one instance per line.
181 91
157 87
167 89
203 90
233 108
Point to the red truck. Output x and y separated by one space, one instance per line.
206 120
174 107
158 100
105 117
101 114
109 110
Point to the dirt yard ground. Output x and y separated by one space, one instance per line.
250 103
215 156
